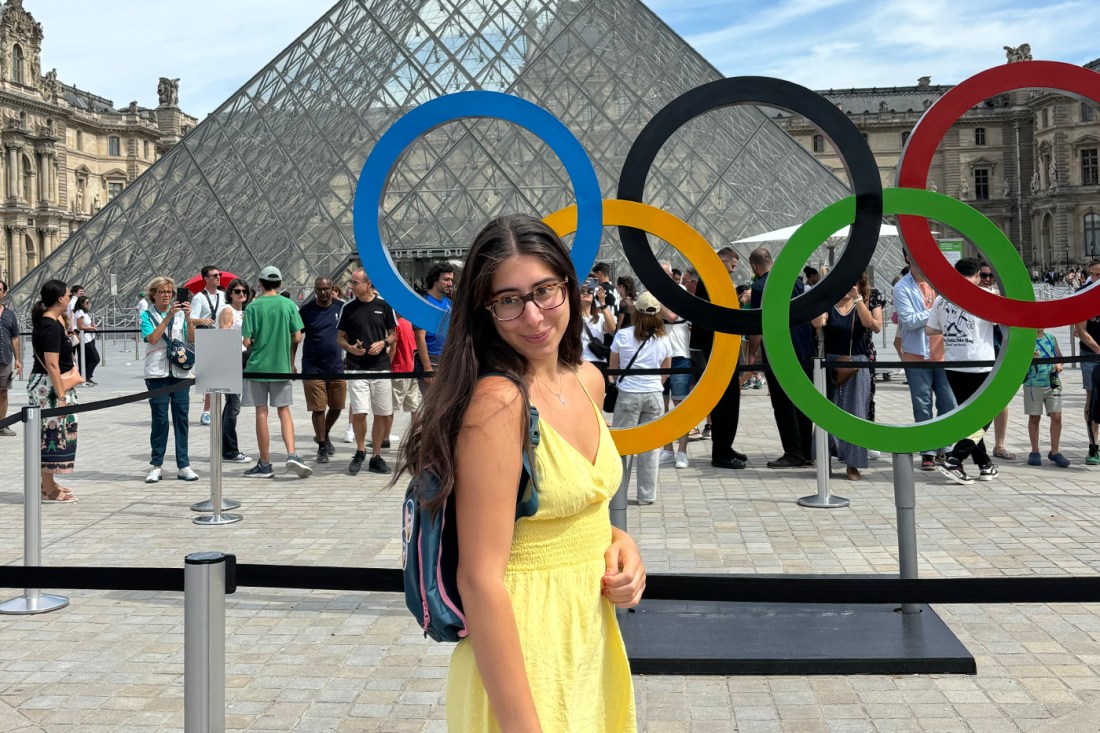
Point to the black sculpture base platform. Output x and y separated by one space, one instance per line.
702 637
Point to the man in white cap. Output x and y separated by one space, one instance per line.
271 323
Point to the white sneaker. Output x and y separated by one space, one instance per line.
874 455
667 456
349 435
681 460
154 475
186 474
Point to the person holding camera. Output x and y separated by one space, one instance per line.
166 322
596 320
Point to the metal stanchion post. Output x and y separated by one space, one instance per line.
83 358
905 499
137 340
32 600
104 346
618 501
204 642
216 503
822 499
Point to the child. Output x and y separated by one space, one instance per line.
1043 387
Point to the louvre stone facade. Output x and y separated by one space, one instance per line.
1027 159
66 152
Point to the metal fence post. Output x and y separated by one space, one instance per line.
32 600
822 499
216 503
204 577
83 358
905 499
618 501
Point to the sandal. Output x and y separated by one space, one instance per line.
695 434
1003 454
61 497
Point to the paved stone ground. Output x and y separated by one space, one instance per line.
328 661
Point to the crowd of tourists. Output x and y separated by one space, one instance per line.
353 332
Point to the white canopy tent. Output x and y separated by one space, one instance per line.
782 235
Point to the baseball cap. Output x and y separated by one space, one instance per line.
271 274
646 303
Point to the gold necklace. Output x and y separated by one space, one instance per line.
560 388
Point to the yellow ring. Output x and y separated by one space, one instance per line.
712 385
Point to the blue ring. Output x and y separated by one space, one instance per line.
425 118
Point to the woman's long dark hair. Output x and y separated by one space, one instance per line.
51 292
474 347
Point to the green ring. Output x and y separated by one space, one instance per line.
1008 374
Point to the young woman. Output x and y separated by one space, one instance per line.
231 315
166 318
544 651
642 346
85 329
844 327
51 384
596 322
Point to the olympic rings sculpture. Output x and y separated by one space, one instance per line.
863 211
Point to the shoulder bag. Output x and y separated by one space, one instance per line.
429 546
181 352
611 392
599 349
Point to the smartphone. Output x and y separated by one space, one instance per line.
591 283
183 295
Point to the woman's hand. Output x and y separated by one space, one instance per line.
854 292
624 579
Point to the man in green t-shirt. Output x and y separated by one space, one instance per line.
271 323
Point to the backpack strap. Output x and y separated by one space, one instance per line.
526 506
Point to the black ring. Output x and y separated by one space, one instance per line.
846 139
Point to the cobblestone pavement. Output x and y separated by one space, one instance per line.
334 661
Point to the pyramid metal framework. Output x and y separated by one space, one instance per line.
269 177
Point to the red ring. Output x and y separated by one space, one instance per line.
913 169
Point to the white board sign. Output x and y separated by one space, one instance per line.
218 360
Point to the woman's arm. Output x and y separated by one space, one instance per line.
488 463
820 321
871 319
189 335
52 361
666 363
613 363
624 578
225 318
160 327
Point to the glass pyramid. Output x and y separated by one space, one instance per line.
268 178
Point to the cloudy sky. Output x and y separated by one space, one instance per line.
121 48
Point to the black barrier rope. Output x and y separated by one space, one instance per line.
724 588
347 376
93 330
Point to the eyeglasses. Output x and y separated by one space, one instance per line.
238 291
358 282
214 274
986 275
165 292
546 297
323 290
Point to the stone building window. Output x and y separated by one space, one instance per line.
28 179
114 188
1090 171
1092 235
145 149
904 138
979 136
981 184
819 143
17 64
1087 112
79 140
1046 117
113 146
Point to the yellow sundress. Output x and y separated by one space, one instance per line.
572 649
